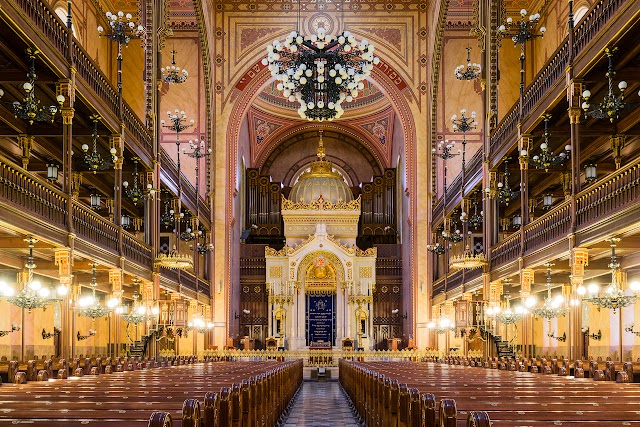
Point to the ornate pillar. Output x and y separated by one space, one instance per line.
526 280
579 260
26 143
74 294
116 141
116 279
75 185
524 146
63 258
617 144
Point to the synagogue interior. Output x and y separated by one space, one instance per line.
383 213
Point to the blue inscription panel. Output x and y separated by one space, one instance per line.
321 319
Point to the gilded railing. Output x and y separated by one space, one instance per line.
547 228
321 357
30 193
94 228
506 251
136 251
605 198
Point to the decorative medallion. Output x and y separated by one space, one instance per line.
384 289
245 289
320 269
396 289
321 20
257 289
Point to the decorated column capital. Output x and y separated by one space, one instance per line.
526 280
67 115
580 261
62 258
617 144
26 143
66 88
115 278
574 115
116 141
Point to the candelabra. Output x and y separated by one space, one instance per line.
510 316
81 337
437 248
521 32
469 71
93 160
455 236
14 327
123 29
629 328
464 123
31 108
173 74
475 220
546 159
139 313
597 336
441 325
612 105
168 218
444 149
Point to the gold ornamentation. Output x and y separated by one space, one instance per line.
269 251
365 272
368 252
275 271
342 246
321 204
175 260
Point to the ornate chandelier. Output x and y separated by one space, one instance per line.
168 217
475 220
441 325
320 71
456 235
173 74
613 297
552 307
174 260
468 259
31 108
94 160
33 294
135 193
546 159
139 313
469 71
612 105
504 193
89 306
509 316
199 325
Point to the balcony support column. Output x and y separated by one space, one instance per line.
63 259
579 259
116 278
524 146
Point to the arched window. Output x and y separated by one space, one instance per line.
580 12
61 11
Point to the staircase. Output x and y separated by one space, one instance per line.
503 347
139 348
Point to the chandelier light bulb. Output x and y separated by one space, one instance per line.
634 286
581 290
593 288
35 285
530 301
61 290
141 309
113 303
44 292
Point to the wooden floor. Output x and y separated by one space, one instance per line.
122 398
513 398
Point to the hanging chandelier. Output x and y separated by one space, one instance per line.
468 260
441 325
508 316
175 260
93 159
167 219
612 105
320 71
437 248
504 193
475 220
612 297
173 74
546 159
524 30
33 294
135 192
200 325
464 123
469 71
552 307
140 313
31 108
444 150
89 306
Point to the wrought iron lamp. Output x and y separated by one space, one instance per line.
14 327
94 201
456 235
89 306
444 149
46 335
320 71
546 159
470 71
612 297
561 338
33 294
612 105
475 220
629 328
31 108
135 192
52 172
167 219
464 123
437 248
596 336
552 307
123 29
590 172
81 337
93 159
547 201
173 74
504 193
509 316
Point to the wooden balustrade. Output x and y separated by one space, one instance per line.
548 228
607 197
93 78
188 280
138 130
136 251
47 22
554 71
388 267
91 226
30 193
506 251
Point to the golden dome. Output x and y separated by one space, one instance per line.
321 181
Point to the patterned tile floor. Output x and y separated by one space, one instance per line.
321 404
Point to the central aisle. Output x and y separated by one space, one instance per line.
321 404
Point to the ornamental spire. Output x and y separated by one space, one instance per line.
321 153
